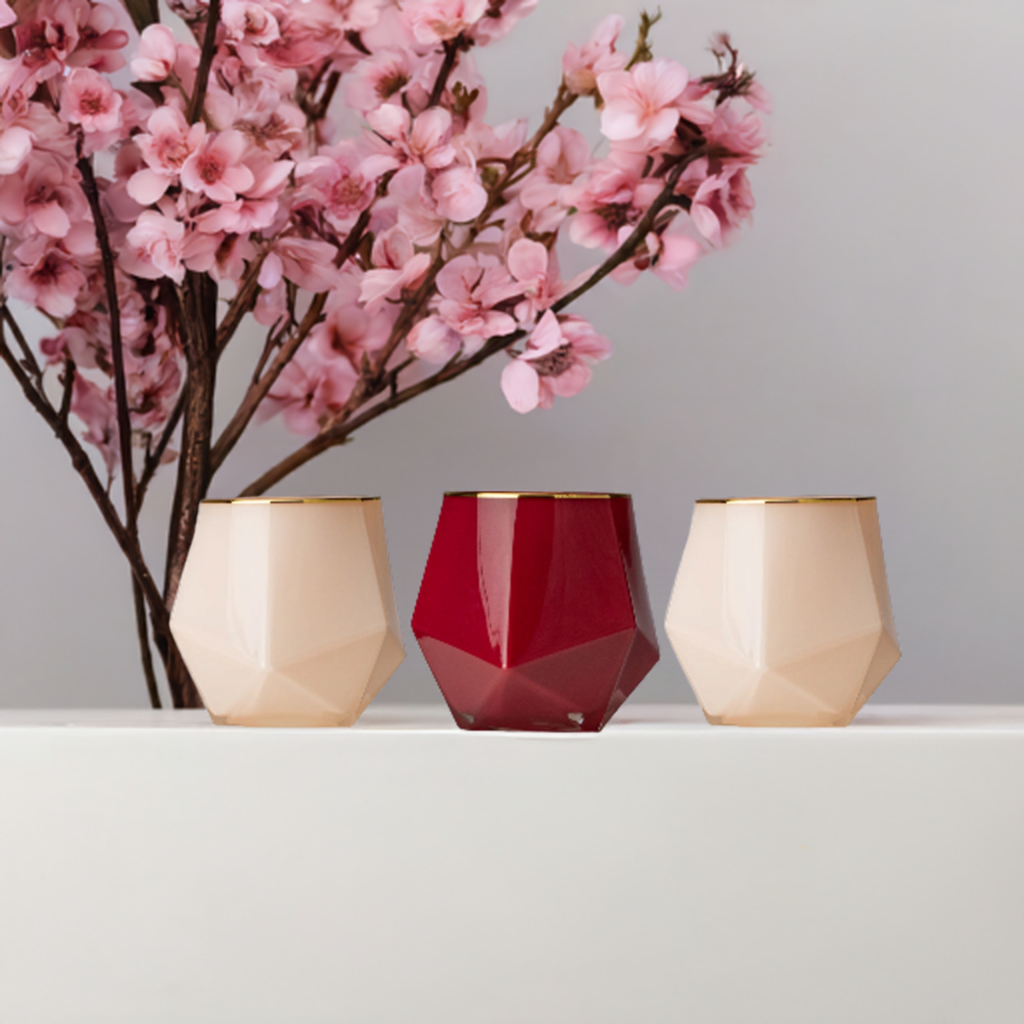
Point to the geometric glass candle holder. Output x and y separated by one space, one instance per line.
780 613
533 612
285 613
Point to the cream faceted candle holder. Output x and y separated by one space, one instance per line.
780 613
285 613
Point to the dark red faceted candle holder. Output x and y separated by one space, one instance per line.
533 612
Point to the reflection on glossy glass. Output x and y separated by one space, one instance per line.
533 612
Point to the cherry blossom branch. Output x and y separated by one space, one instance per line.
124 429
370 380
260 388
195 106
84 467
341 433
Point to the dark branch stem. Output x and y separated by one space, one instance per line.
195 104
155 457
124 429
144 651
451 55
27 354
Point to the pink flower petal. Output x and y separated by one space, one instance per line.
521 386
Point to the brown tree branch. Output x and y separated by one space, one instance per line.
451 55
124 429
195 104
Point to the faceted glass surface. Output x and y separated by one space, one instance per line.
285 613
780 613
533 612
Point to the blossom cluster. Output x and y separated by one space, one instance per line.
430 233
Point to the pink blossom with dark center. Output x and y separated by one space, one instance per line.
470 288
215 169
555 363
46 276
89 99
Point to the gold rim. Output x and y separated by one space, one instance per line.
530 494
808 499
282 501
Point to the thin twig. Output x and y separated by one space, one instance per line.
155 457
28 356
69 388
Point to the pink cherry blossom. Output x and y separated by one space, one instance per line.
46 37
7 16
555 362
561 158
89 100
434 21
721 204
46 276
101 38
15 148
396 266
536 269
249 24
582 64
433 341
165 146
470 288
95 407
334 183
735 137
42 198
348 330
668 256
425 139
381 78
215 169
310 388
157 54
414 206
303 261
155 247
607 199
459 195
641 106
500 18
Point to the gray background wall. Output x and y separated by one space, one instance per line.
864 336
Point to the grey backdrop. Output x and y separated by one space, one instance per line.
864 336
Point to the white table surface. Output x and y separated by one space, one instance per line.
154 867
